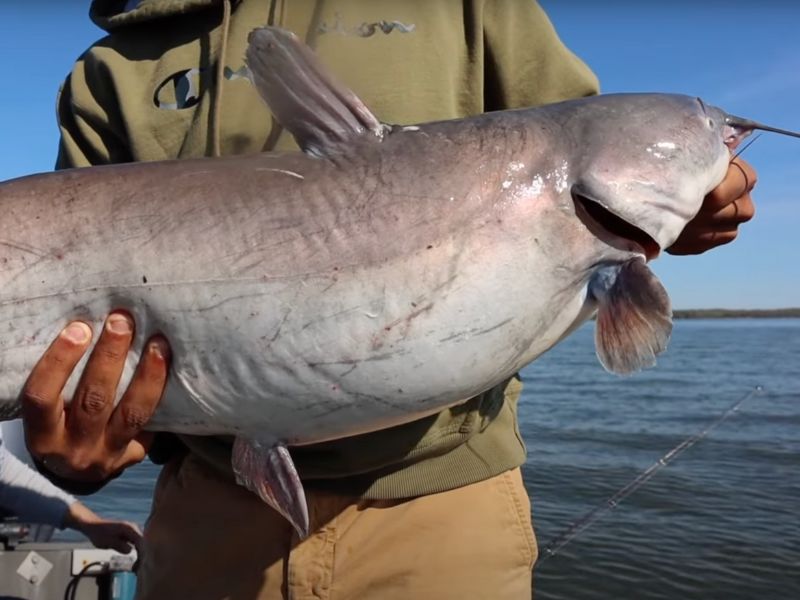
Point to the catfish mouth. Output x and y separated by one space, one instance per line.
613 230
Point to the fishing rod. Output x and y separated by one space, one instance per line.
558 542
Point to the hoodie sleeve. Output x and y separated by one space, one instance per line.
29 495
526 63
88 112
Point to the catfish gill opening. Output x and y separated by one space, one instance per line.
609 227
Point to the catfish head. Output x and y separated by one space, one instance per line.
647 161
644 165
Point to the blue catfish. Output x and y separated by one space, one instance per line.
381 275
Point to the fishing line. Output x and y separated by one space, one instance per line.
558 542
745 147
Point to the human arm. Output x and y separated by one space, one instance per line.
33 498
121 536
25 493
526 63
89 120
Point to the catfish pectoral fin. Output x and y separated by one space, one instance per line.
634 317
268 471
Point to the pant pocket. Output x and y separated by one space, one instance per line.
520 507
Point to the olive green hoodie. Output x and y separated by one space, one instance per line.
152 89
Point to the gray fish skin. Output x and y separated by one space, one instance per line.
307 299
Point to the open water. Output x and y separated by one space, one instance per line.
720 522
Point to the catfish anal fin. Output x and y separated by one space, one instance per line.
634 317
268 471
321 113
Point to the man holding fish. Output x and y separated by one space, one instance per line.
434 508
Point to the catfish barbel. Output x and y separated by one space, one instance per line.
383 274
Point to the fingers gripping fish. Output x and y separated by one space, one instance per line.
381 275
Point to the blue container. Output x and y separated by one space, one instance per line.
123 585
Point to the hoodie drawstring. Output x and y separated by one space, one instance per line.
216 106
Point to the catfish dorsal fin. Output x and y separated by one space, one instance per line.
321 113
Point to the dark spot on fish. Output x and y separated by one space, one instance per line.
418 312
377 341
387 328
414 304
399 390
335 268
334 388
144 278
348 371
60 256
429 247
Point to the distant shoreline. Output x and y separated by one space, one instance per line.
728 313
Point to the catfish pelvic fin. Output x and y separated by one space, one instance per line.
634 317
321 113
268 471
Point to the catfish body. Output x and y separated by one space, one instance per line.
382 275
307 299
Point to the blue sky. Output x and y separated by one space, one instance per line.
741 56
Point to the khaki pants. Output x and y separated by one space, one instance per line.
208 539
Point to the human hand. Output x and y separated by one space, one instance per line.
725 208
121 536
90 439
